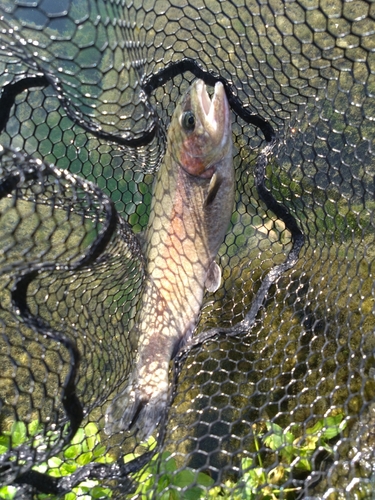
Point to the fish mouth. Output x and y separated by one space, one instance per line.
213 114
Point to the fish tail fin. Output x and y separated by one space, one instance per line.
135 409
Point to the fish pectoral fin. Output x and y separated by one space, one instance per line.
213 189
213 278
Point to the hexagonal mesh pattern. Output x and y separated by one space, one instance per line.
274 396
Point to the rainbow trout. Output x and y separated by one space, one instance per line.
191 209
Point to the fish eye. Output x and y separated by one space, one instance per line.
188 120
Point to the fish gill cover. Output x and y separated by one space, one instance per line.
274 396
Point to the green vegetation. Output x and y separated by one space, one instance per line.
161 472
256 481
84 448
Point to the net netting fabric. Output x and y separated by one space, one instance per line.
284 349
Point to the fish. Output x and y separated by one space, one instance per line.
191 208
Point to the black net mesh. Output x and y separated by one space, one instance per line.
274 395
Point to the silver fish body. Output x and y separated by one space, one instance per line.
190 213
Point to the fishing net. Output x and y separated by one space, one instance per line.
274 397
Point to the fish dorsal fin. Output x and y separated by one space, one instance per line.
213 189
213 278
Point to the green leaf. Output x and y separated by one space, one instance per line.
98 492
68 468
8 492
184 478
142 489
278 437
333 426
315 428
18 433
246 463
34 427
90 443
304 464
79 437
87 485
105 459
53 472
85 458
252 481
70 496
170 495
255 476
99 451
73 451
42 468
168 463
129 457
163 482
280 441
54 462
323 431
309 446
274 428
216 492
204 479
4 444
91 429
151 443
194 493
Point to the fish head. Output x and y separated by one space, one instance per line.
200 133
